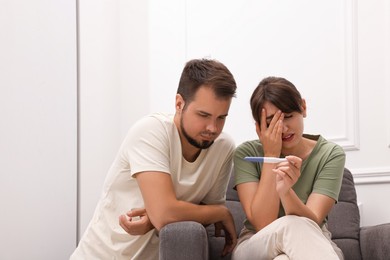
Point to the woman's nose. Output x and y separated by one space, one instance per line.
285 128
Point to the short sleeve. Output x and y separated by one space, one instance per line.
328 181
147 146
245 171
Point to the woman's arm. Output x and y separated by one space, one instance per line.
317 206
260 200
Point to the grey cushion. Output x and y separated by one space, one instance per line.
183 240
375 241
344 218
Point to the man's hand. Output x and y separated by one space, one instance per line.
230 234
218 227
136 222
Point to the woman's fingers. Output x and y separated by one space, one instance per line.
295 161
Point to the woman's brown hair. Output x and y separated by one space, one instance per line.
278 91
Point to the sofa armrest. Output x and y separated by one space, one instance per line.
374 242
183 240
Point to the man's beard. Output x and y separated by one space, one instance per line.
192 141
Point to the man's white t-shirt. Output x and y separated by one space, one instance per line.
152 144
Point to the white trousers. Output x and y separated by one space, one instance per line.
289 237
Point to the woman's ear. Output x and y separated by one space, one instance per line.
303 107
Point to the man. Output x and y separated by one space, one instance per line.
175 167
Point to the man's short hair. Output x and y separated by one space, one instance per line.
209 73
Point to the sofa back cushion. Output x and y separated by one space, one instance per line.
344 219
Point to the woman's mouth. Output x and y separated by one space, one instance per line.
287 138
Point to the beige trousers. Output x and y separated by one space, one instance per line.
289 237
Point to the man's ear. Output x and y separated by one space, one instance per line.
179 104
303 107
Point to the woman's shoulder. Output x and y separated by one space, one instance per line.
331 146
250 145
249 148
323 143
326 152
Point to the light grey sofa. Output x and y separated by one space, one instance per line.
190 240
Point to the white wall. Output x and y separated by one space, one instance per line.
38 129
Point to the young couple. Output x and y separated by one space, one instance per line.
173 168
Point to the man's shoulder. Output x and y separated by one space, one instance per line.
224 139
156 126
158 117
153 121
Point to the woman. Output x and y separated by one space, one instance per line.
286 203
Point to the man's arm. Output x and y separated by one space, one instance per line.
163 208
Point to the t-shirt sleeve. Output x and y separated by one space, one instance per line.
146 146
245 171
330 178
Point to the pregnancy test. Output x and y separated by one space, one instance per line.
265 159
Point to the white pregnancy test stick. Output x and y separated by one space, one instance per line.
265 159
